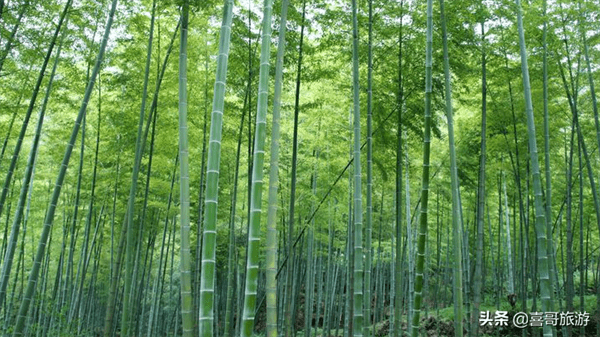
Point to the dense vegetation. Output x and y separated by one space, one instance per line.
316 168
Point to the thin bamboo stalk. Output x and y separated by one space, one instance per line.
20 326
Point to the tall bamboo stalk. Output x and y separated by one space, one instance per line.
422 236
397 285
231 257
17 150
25 187
253 255
569 286
33 276
540 215
369 220
357 319
116 263
289 306
511 278
596 123
572 99
161 269
478 279
550 240
457 283
10 127
13 33
274 181
128 224
201 189
209 240
82 268
184 183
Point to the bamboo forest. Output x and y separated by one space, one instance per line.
338 168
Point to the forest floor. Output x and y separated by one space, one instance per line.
433 327
441 323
